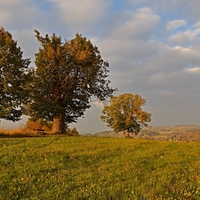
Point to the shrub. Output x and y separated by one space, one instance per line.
38 124
72 132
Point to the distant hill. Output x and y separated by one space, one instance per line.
177 132
109 134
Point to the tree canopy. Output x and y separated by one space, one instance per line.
13 78
67 75
125 113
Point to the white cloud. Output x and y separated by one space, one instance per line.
194 70
81 14
197 24
185 38
175 24
18 14
117 50
133 25
163 5
98 104
183 8
25 37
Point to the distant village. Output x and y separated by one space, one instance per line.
188 133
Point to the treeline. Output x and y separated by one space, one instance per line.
66 76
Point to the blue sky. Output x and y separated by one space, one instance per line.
152 46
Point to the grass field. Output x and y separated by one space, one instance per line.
98 168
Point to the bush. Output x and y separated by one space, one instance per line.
38 124
72 132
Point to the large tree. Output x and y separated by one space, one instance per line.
13 77
125 113
67 75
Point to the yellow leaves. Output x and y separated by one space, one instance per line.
82 55
38 124
54 54
80 52
125 112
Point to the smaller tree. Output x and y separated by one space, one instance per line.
125 114
72 132
38 124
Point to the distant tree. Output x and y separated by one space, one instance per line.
68 74
125 113
13 78
72 132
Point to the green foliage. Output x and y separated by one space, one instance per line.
125 113
13 78
68 74
72 132
66 168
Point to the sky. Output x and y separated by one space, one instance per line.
152 46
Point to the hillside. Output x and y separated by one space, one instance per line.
178 132
98 168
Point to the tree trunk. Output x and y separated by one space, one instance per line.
58 125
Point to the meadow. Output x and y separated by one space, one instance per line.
98 168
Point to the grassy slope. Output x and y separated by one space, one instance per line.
98 168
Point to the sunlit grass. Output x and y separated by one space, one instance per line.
98 168
20 131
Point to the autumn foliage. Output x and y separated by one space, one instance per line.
125 113
67 75
32 125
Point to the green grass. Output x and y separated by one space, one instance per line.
98 168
